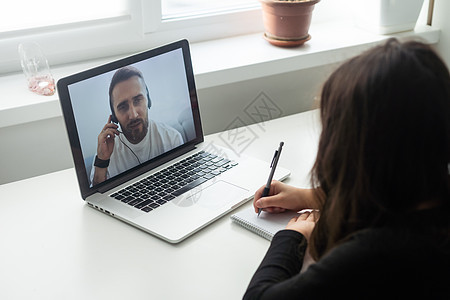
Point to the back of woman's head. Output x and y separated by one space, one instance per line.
385 145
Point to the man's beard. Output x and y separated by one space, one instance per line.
135 135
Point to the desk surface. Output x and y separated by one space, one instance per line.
55 247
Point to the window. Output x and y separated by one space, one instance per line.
187 8
70 31
29 14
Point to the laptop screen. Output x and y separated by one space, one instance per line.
129 116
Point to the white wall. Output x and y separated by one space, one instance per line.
441 19
33 149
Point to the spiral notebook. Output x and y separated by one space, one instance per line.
266 225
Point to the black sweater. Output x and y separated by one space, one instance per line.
406 260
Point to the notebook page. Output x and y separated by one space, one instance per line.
266 225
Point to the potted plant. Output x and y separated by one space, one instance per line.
286 22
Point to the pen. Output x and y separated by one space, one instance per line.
273 166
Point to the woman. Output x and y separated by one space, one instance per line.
381 185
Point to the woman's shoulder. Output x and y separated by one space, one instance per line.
379 262
400 257
414 236
427 230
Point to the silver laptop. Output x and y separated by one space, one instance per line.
138 147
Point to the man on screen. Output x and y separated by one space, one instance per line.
140 139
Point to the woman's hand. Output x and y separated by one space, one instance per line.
283 197
304 223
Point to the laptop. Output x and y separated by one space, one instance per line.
138 147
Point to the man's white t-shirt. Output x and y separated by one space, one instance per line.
159 139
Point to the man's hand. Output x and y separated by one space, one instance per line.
105 149
106 138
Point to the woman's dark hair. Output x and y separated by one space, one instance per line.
385 142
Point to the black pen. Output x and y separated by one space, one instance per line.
273 166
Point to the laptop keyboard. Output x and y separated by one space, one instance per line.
159 188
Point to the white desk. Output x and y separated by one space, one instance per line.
55 247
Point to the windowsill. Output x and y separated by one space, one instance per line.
216 63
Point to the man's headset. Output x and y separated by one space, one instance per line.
113 114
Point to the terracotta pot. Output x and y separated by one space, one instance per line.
287 23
